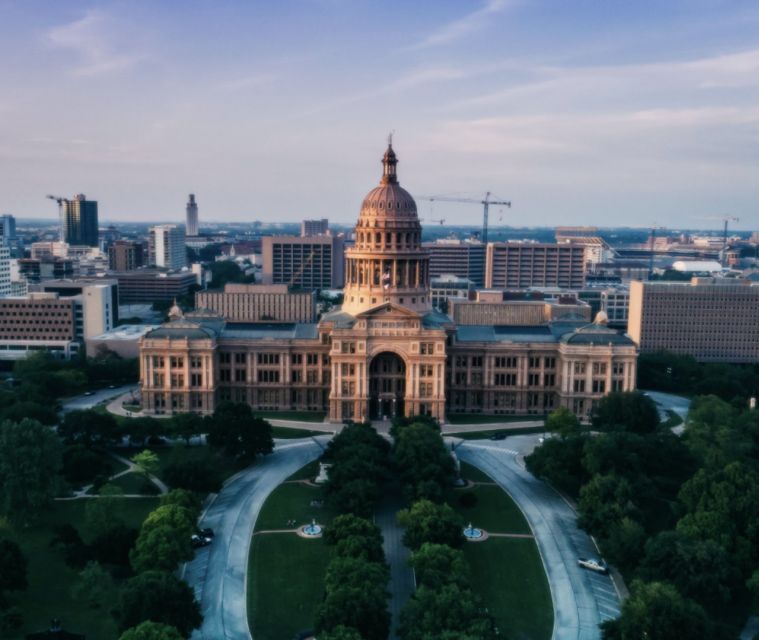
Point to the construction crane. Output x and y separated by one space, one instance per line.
485 202
60 202
654 228
725 220
440 221
303 267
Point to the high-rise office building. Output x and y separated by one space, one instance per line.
518 265
314 227
314 262
126 255
461 258
79 221
167 247
711 319
7 229
191 226
5 271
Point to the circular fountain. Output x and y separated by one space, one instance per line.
312 530
474 534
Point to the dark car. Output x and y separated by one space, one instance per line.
200 541
207 532
499 435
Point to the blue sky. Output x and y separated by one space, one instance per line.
613 113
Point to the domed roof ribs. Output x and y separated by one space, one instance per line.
389 162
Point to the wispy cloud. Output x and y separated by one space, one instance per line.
464 26
92 39
246 82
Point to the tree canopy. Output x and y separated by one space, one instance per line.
240 434
151 631
426 521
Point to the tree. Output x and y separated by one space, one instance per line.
143 428
95 586
89 428
152 631
438 564
341 632
21 410
657 611
699 569
355 537
711 433
159 597
81 465
100 513
199 474
185 499
187 426
604 501
562 422
422 462
452 610
355 596
624 542
112 545
147 463
426 521
30 458
626 410
239 433
164 540
560 462
12 567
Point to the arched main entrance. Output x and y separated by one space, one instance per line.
387 386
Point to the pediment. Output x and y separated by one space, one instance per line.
388 310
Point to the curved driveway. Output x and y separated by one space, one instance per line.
218 572
581 599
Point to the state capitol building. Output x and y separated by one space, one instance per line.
385 352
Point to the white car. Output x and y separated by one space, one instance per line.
593 565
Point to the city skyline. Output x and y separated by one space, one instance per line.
599 115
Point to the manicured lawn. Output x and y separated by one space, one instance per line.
484 435
508 574
297 416
286 432
292 501
494 510
469 472
51 580
285 578
481 418
309 472
286 572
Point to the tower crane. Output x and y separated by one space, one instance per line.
441 221
654 228
485 202
60 202
726 220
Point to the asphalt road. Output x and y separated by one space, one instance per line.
95 398
581 599
218 574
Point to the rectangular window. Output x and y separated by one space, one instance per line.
425 389
549 363
225 358
425 370
599 386
533 379
348 369
312 358
268 358
240 375
225 375
158 362
348 347
579 386
196 379
296 376
296 358
177 362
476 362
579 367
426 348
599 368
266 375
196 362
240 358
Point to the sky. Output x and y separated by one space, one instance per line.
578 112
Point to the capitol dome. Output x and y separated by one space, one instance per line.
389 199
387 263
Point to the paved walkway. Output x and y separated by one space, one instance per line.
218 573
401 575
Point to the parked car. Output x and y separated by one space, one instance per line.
498 435
207 532
599 566
200 541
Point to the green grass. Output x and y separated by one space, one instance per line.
470 472
297 416
287 432
484 435
134 483
309 472
494 511
508 574
481 418
50 580
292 501
285 578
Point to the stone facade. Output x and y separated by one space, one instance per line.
386 352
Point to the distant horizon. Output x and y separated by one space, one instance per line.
578 113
